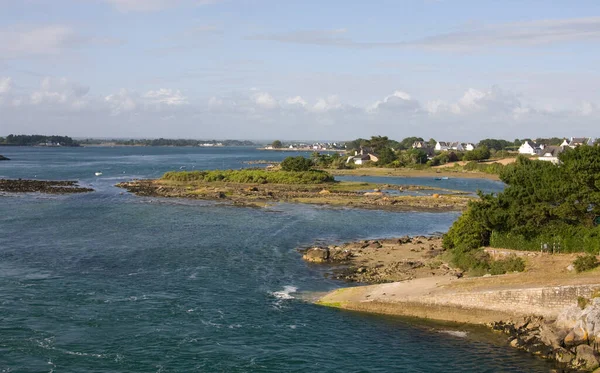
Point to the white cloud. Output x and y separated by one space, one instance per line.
126 6
166 96
5 85
296 101
331 102
140 5
18 42
121 102
397 101
59 105
265 100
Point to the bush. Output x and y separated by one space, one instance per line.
251 176
585 263
466 232
468 259
511 264
296 164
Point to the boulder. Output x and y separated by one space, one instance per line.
338 254
563 356
3 158
316 255
586 358
372 245
577 336
324 191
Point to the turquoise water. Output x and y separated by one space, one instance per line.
110 282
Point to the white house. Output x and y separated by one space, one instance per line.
457 146
574 142
469 146
529 147
362 159
442 146
550 153
419 145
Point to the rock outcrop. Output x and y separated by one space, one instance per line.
41 186
572 340
3 158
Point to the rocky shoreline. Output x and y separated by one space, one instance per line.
42 186
344 194
408 276
383 260
572 340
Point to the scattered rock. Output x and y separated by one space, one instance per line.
586 358
41 186
316 255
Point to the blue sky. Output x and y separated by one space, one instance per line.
448 69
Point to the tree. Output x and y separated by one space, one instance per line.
296 164
478 154
277 144
386 156
496 144
407 142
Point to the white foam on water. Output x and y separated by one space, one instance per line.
455 333
285 293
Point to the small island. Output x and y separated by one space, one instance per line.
42 186
294 182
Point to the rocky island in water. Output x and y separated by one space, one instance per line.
42 186
258 187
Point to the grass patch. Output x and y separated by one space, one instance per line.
251 176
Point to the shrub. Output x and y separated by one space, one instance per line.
511 264
251 176
296 164
468 259
585 263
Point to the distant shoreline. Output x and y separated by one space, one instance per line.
303 150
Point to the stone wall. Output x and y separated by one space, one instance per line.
541 301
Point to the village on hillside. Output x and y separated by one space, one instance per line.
416 152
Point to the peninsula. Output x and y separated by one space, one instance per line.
528 262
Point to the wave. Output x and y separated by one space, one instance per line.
455 333
285 293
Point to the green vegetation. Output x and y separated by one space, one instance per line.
585 263
478 154
334 161
296 164
544 206
277 144
477 262
30 140
251 176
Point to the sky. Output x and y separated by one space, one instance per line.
453 70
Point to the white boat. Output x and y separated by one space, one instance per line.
98 173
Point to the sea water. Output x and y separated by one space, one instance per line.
110 282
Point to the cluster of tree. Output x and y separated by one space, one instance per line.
297 164
31 140
497 144
334 160
543 203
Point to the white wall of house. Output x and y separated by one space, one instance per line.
526 149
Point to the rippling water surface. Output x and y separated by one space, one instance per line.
109 282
